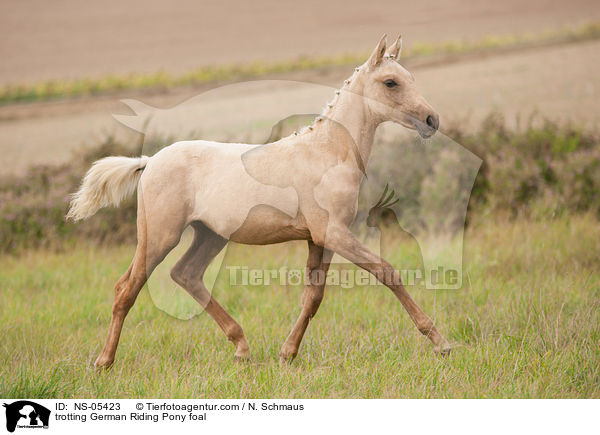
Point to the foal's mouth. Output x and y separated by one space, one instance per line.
426 128
425 131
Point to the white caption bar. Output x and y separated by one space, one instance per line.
75 416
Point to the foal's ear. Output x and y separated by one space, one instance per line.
378 53
396 48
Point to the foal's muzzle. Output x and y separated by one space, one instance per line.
429 127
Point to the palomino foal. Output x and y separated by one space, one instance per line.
302 187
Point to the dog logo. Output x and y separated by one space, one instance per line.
26 414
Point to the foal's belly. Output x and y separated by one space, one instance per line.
266 225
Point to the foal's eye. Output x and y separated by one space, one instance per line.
390 83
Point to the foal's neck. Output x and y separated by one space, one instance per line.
350 111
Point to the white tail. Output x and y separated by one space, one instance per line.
108 182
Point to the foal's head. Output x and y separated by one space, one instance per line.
390 91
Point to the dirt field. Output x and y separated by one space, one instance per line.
82 39
73 40
557 82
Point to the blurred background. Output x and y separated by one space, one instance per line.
470 57
515 82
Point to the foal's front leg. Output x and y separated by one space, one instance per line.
341 240
317 266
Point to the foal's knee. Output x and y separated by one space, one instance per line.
185 275
177 276
311 300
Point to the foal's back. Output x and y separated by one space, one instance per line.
211 182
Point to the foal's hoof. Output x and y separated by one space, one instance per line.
103 364
287 354
240 359
242 354
286 359
443 349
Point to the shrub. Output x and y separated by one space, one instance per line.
33 206
539 170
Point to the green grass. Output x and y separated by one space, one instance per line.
527 324
54 89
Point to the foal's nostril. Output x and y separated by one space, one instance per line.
432 122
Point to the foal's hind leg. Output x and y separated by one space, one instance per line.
189 273
154 243
317 266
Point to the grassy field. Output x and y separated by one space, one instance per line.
527 324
